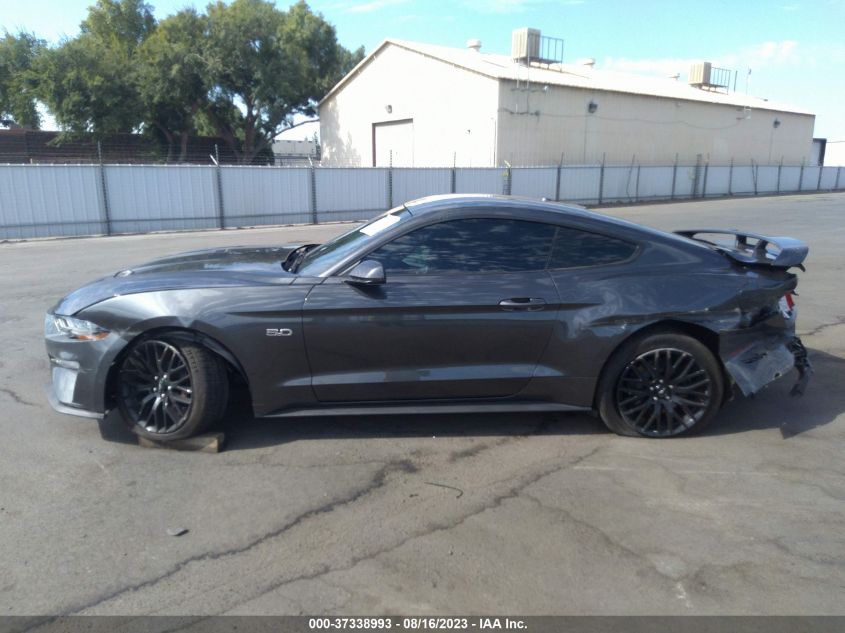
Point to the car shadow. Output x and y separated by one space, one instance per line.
823 401
773 407
244 432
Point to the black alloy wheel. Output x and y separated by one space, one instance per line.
156 387
663 392
169 390
660 385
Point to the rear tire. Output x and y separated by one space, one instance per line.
171 390
661 385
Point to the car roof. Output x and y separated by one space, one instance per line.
525 206
450 200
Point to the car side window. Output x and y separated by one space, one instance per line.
475 245
574 248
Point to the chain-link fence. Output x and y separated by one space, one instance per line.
33 147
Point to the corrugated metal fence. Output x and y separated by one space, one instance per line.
66 200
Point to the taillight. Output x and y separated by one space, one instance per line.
787 305
789 300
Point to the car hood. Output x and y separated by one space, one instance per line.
212 268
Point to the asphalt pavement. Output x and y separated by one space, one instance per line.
528 514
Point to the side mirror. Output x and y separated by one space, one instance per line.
366 273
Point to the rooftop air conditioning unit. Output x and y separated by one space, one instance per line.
699 74
525 45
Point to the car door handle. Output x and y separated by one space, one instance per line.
522 303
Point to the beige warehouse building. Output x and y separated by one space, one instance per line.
432 106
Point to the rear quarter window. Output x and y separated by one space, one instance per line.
573 248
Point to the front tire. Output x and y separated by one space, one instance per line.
662 385
169 391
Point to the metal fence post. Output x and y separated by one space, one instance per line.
557 180
695 176
754 173
819 183
601 179
704 184
390 182
506 185
801 175
453 179
637 186
838 172
731 178
105 190
312 185
780 168
221 214
674 177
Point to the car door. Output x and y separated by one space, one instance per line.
466 312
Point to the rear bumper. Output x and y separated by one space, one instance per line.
802 365
757 356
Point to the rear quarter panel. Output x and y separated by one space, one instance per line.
602 306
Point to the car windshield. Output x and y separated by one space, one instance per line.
322 258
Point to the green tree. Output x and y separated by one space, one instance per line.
87 82
120 23
265 66
242 71
171 78
18 103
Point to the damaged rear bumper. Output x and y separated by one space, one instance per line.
802 364
756 356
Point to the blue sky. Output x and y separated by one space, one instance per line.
795 48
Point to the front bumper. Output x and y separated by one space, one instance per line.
79 372
53 399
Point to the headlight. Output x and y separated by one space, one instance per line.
75 329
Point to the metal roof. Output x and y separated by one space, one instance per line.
502 67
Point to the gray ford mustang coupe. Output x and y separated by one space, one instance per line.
461 303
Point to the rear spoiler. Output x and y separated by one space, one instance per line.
754 249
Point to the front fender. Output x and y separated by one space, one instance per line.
234 322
